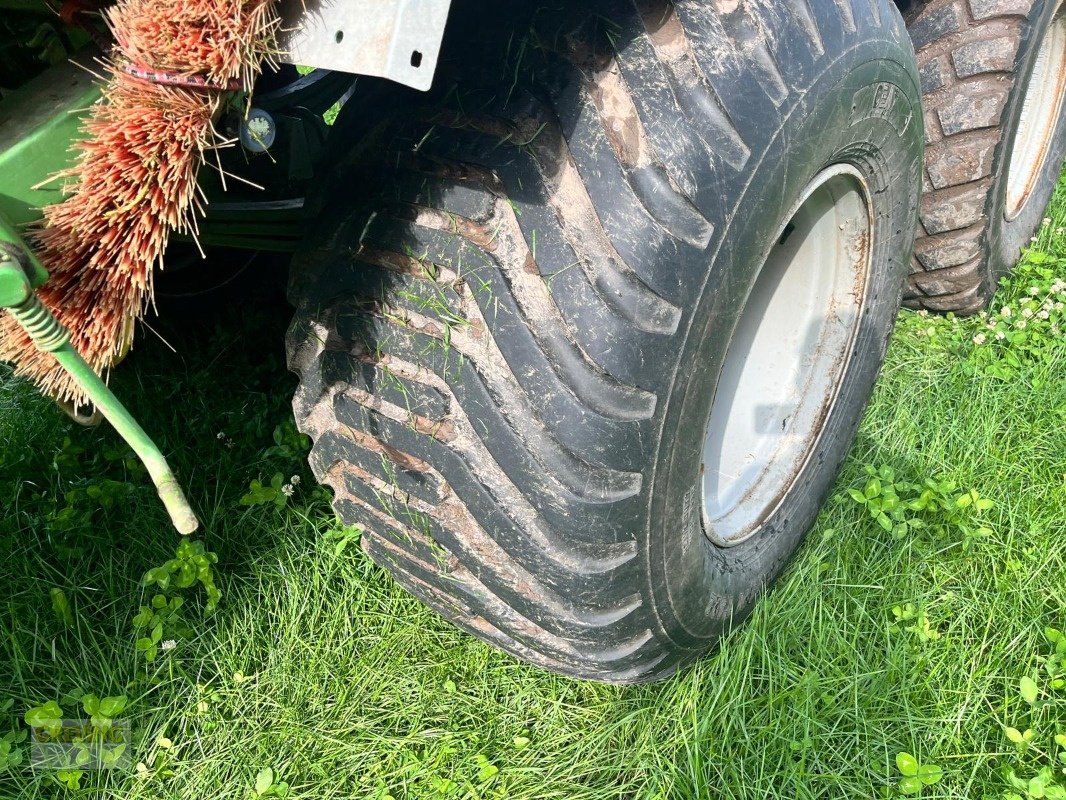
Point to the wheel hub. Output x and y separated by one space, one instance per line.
788 355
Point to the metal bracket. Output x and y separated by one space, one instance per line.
395 39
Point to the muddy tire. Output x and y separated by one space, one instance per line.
508 365
994 81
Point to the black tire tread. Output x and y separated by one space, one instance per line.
450 346
967 52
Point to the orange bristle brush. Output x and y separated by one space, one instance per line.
135 178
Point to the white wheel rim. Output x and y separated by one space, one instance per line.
789 352
1041 108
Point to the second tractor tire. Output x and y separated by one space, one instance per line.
994 82
524 366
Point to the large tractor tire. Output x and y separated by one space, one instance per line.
994 82
587 372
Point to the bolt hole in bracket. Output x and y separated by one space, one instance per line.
395 39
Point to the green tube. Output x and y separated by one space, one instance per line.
51 337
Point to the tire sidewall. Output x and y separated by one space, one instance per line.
1007 238
698 588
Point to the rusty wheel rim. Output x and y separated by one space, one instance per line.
1041 109
788 356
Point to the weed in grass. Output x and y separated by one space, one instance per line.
290 450
266 785
1034 726
289 443
61 606
190 566
915 776
277 492
343 537
90 743
934 506
11 756
160 619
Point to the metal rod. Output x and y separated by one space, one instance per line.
51 337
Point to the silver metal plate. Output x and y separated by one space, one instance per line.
395 39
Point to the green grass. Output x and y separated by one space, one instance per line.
317 665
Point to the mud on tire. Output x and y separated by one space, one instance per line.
508 361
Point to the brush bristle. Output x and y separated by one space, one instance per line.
135 178
196 38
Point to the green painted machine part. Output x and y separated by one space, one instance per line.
38 123
18 269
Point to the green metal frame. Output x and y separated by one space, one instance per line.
38 124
